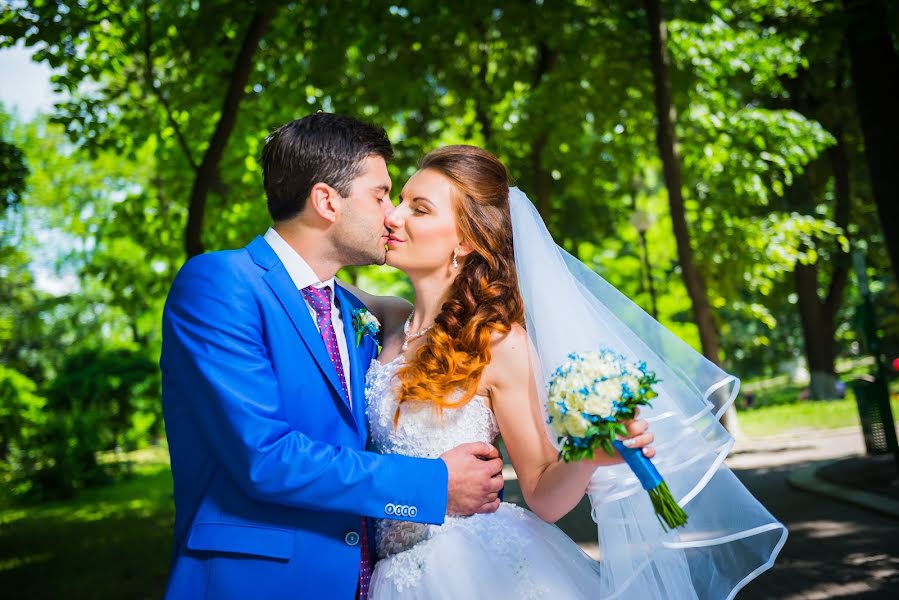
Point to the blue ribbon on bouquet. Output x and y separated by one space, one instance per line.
642 467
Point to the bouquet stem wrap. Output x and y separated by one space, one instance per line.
666 508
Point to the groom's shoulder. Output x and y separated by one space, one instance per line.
221 263
221 270
213 279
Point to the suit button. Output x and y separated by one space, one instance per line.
352 538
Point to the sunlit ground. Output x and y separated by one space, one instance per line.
109 542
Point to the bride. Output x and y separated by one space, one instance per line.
497 306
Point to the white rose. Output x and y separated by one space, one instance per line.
575 424
553 410
610 389
600 406
633 382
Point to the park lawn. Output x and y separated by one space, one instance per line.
804 415
109 542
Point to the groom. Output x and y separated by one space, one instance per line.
263 390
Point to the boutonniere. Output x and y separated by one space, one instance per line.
365 323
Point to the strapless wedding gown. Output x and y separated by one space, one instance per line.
507 554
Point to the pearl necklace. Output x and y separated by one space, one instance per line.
412 336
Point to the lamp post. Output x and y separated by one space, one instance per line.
642 221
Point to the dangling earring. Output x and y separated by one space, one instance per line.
455 262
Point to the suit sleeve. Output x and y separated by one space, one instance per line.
214 359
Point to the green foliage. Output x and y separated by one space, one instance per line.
13 170
101 400
13 173
117 392
20 307
65 461
22 421
45 453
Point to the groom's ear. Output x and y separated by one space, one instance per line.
324 201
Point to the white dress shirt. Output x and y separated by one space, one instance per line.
303 276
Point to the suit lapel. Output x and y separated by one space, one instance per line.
354 356
291 300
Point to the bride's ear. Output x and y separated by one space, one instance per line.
463 248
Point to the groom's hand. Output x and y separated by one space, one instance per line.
475 478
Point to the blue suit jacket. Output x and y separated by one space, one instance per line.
268 459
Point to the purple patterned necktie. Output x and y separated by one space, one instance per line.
320 301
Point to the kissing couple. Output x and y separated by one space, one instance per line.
328 443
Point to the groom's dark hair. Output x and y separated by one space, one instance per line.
319 148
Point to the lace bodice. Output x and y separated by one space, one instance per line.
422 431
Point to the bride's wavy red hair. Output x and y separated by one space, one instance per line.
484 299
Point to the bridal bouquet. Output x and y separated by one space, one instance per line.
590 396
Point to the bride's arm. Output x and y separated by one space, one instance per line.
390 311
550 487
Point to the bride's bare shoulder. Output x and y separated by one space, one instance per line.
509 356
514 340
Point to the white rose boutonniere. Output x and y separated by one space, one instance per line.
365 323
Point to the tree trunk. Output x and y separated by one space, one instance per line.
842 207
546 62
542 180
874 66
817 332
817 316
207 173
667 144
482 107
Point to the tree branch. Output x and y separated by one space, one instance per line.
208 169
151 83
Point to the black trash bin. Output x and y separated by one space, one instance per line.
868 396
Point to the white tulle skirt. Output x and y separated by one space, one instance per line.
729 540
507 554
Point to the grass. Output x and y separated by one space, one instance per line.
780 389
777 410
109 542
804 415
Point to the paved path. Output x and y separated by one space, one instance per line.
834 550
